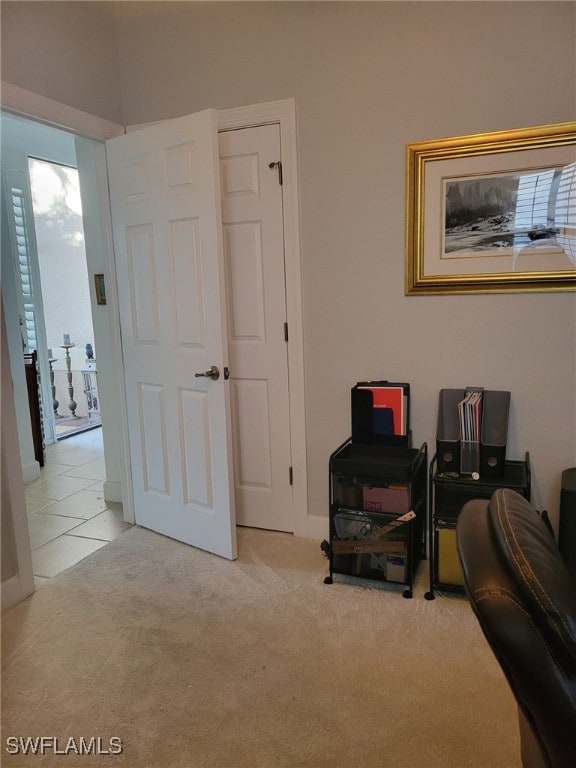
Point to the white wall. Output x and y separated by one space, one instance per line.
63 272
367 79
64 279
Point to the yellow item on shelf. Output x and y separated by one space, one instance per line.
449 568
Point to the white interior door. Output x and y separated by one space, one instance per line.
165 198
256 294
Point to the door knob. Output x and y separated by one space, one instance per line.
212 373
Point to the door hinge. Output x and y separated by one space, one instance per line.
291 475
285 331
278 165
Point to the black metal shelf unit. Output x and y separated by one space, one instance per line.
378 509
448 492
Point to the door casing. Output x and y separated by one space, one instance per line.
253 240
284 113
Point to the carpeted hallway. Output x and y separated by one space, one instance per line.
196 662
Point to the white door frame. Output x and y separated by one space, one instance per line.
20 581
36 107
284 113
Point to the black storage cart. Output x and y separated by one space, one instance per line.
378 508
448 492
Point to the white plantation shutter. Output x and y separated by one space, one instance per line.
21 230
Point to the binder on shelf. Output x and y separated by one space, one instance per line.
448 430
494 433
472 431
470 424
381 413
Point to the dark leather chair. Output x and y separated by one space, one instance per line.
523 598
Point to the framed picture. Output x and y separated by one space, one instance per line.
492 212
100 287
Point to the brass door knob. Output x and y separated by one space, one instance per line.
212 373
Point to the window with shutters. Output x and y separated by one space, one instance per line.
23 249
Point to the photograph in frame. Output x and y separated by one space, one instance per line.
492 212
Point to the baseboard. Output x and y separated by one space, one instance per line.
30 472
317 527
13 591
113 491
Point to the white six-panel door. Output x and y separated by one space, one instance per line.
165 198
256 294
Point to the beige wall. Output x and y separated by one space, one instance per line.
65 51
368 78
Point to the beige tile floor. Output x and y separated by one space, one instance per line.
68 517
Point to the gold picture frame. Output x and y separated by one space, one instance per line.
492 212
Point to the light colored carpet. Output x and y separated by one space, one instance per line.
197 662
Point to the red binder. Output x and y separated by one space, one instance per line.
392 397
381 413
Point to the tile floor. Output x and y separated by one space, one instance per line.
68 517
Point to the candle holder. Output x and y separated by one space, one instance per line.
55 403
72 405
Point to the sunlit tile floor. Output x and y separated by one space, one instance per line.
68 517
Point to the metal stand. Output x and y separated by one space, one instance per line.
55 402
72 405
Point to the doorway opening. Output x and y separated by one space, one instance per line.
282 113
57 208
45 280
70 501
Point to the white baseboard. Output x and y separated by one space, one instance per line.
30 472
13 591
317 527
113 491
